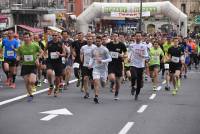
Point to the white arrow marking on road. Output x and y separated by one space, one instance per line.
55 113
141 110
126 128
152 96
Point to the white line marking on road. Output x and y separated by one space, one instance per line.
48 117
158 88
24 96
152 96
142 108
126 128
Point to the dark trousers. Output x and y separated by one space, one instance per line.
137 75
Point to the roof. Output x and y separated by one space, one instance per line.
31 29
56 29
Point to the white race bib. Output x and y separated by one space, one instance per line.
54 55
114 54
28 58
175 59
166 66
63 60
155 58
183 58
76 65
10 53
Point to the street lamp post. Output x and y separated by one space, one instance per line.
140 21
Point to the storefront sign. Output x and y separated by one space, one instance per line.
115 9
144 9
125 9
129 14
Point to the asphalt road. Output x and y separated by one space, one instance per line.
162 114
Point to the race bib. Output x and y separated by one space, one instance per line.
76 65
10 53
175 59
114 54
63 60
183 58
155 58
87 62
166 66
54 55
28 58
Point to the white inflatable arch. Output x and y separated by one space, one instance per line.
99 9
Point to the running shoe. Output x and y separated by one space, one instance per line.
167 88
136 97
86 96
174 92
154 88
78 83
56 92
45 81
30 98
96 100
50 89
39 84
61 87
133 91
116 97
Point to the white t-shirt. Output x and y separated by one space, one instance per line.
138 54
86 50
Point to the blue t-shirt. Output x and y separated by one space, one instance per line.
9 46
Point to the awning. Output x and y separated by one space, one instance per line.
55 29
3 19
73 17
31 29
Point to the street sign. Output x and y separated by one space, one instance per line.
54 113
197 19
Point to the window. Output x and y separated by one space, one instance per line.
72 7
183 8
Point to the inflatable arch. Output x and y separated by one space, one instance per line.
100 9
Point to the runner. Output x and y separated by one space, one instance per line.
99 63
10 46
138 53
186 49
28 54
76 46
118 52
166 47
38 42
155 55
175 54
85 55
67 60
55 50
